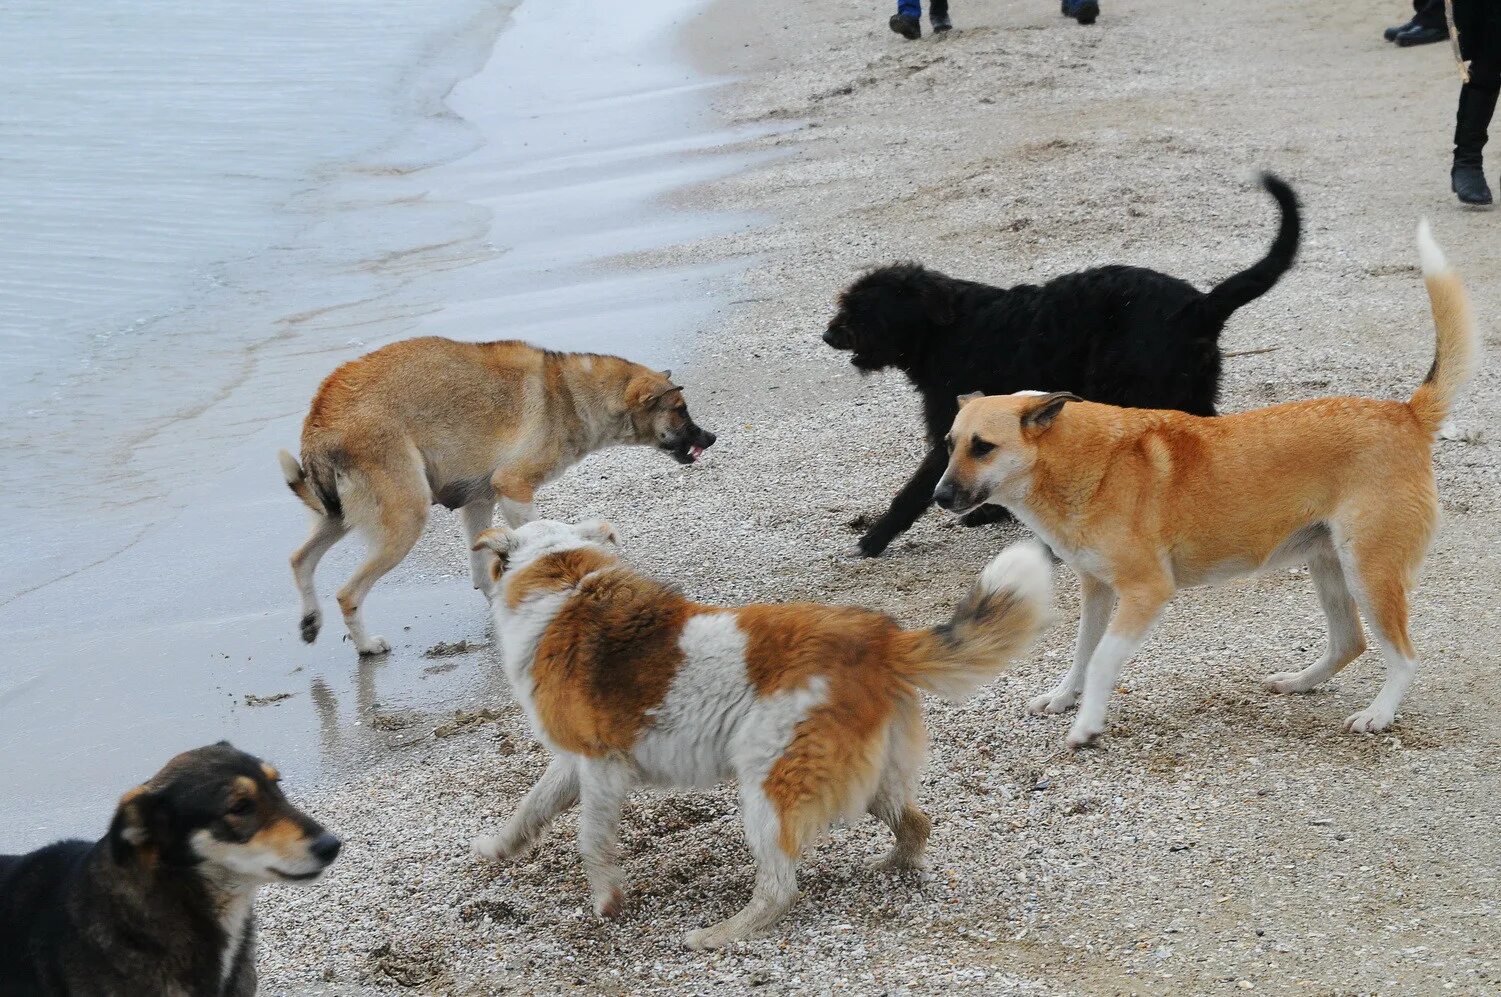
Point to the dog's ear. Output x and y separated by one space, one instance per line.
130 831
499 540
1045 408
598 531
966 399
667 373
645 390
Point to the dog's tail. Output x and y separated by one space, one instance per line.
1251 283
317 491
1456 353
999 619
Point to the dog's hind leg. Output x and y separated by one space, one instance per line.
327 531
555 792
395 524
776 872
478 517
1135 612
1346 639
894 803
603 787
1381 581
1097 600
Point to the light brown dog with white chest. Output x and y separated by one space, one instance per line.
813 709
1142 503
431 420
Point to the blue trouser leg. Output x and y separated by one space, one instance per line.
912 8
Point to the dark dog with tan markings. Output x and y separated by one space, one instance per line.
463 425
1142 503
162 904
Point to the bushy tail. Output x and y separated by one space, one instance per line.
1456 354
999 619
1251 283
321 497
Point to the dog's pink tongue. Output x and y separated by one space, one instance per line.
695 452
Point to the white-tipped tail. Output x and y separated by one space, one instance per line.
1023 568
1429 254
289 467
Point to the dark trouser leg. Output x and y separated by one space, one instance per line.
1477 102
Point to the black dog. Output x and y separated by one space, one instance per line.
162 904
1118 335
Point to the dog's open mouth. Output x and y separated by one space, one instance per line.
687 454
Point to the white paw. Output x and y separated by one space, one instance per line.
1057 701
1369 721
609 904
491 848
1282 682
1083 734
374 645
707 938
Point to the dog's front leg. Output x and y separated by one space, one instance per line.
604 785
478 517
1098 599
1134 615
555 792
516 487
910 503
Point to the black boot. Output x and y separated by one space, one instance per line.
906 25
1467 178
1421 35
1391 33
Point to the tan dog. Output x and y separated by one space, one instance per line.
814 709
1142 503
463 425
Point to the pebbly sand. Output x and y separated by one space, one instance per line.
1221 839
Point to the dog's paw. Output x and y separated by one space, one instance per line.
494 848
871 545
373 645
713 937
1369 721
1050 703
894 863
1285 682
310 625
1082 735
609 904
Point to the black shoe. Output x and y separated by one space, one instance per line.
1421 36
905 25
940 22
1085 11
1391 33
1469 183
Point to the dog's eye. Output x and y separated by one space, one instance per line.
241 807
980 448
948 443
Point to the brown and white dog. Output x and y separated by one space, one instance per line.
432 420
814 709
1142 503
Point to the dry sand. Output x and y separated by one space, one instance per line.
1221 838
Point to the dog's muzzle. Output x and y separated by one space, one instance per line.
692 445
955 499
838 337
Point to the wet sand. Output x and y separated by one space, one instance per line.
153 609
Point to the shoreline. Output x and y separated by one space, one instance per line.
1222 837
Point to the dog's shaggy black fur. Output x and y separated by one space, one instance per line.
1118 335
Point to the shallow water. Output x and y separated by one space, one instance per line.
207 208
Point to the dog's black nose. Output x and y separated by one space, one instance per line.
325 848
706 439
945 494
832 336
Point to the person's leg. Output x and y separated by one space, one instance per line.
1083 11
938 16
1477 103
1428 25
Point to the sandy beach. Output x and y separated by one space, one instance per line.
1221 839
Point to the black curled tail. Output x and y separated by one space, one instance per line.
1254 281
